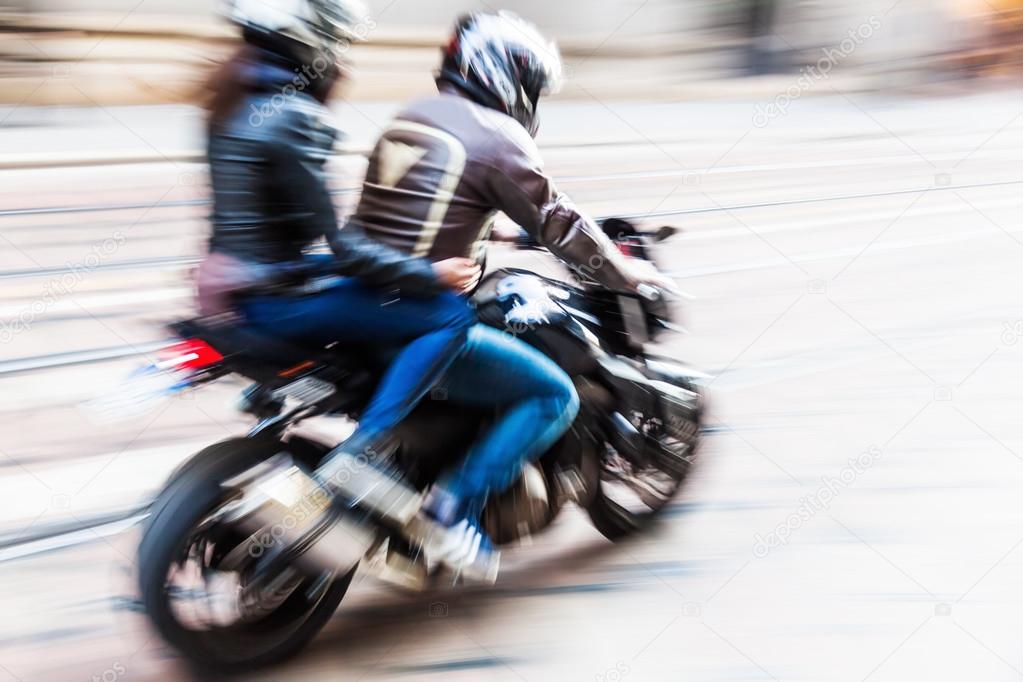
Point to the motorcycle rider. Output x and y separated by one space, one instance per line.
437 176
269 138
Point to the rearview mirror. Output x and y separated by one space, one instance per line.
665 232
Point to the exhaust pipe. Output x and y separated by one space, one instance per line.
288 511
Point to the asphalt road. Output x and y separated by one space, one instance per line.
856 272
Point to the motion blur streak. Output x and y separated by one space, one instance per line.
846 178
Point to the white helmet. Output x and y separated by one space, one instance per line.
503 62
320 25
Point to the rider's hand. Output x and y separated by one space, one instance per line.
644 272
457 274
506 232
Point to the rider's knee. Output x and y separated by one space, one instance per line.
572 406
564 399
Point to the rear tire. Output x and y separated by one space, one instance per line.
191 495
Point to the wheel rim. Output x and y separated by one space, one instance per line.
214 585
638 489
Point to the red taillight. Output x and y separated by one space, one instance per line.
191 354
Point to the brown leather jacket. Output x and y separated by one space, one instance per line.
443 169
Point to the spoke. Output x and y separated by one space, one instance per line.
650 486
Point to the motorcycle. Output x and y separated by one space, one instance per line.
243 558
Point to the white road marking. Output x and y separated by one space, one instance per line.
1012 155
71 539
35 495
835 254
846 218
92 302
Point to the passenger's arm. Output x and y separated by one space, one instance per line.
299 161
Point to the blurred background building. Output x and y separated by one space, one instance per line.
124 51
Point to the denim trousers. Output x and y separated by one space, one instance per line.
535 403
430 332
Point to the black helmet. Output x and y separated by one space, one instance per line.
502 62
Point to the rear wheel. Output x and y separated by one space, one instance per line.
203 590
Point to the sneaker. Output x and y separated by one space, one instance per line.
450 537
465 549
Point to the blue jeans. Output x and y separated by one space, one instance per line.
432 332
536 403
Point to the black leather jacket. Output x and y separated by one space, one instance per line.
271 199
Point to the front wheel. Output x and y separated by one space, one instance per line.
215 617
632 492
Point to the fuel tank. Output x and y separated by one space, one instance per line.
542 313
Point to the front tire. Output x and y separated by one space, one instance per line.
169 538
630 496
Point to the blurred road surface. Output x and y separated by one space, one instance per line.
856 515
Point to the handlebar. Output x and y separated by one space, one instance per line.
650 293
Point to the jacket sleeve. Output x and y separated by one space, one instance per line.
300 161
521 189
381 265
